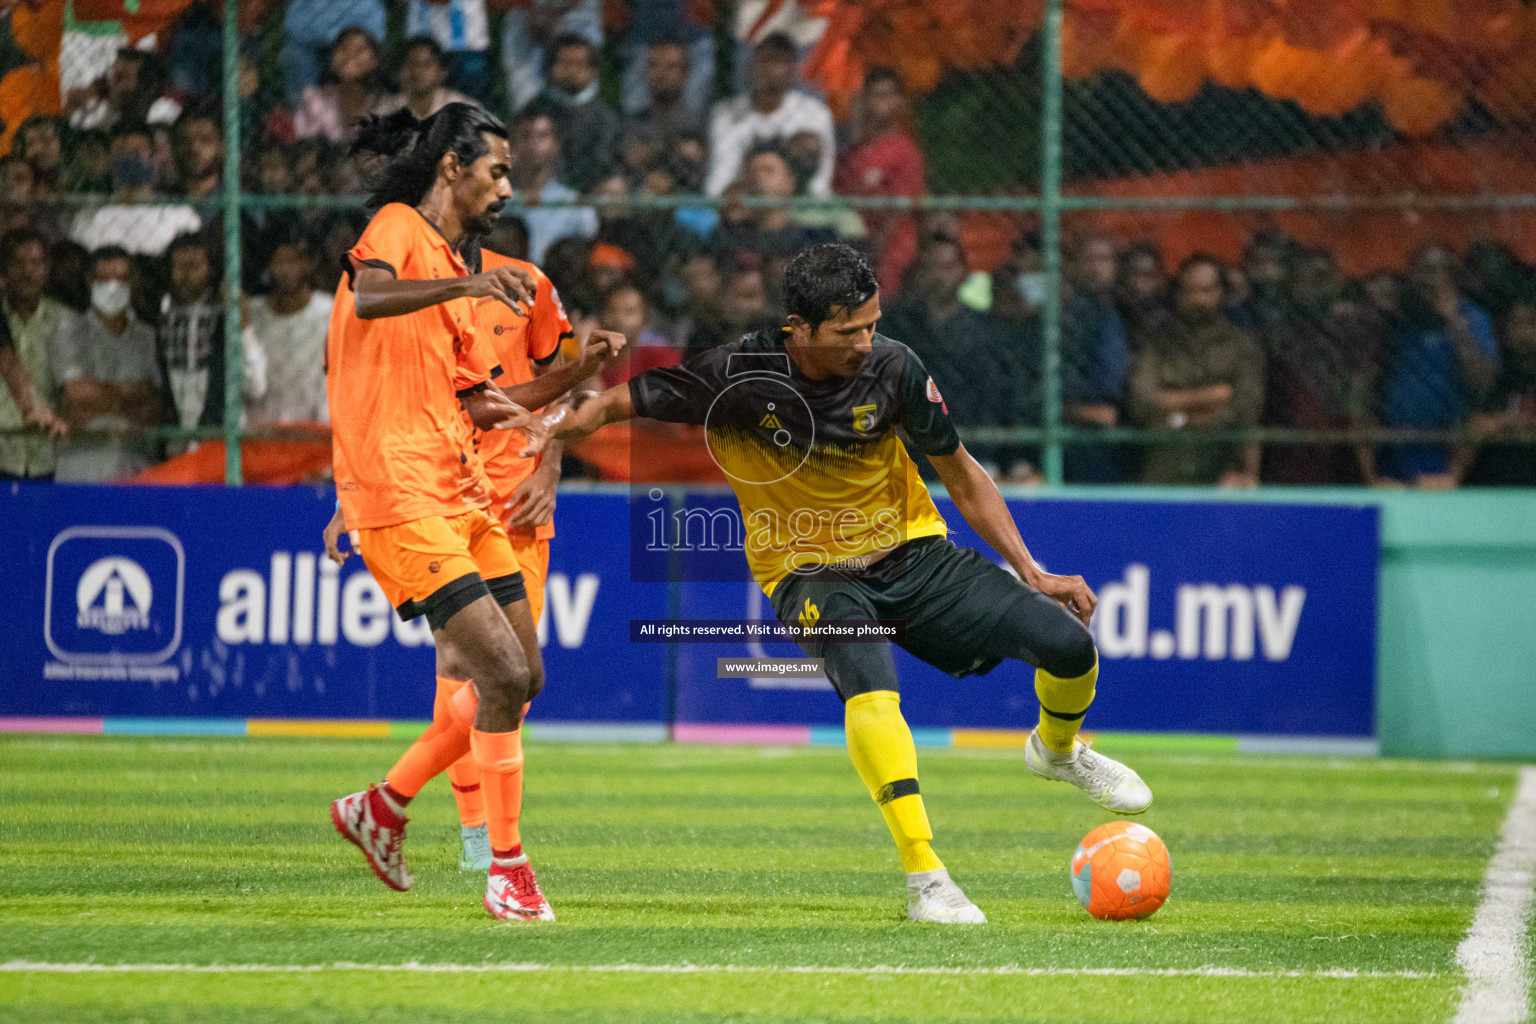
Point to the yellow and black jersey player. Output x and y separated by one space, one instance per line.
806 421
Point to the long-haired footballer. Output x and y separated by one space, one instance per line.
404 362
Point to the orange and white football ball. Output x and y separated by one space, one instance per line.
1120 871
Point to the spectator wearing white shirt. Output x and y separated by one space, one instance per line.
144 230
536 159
422 74
290 323
769 110
462 30
104 364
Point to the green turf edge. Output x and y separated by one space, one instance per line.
745 771
1170 742
374 996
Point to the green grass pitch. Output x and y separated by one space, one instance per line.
1315 889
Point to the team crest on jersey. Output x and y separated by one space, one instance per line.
864 418
809 615
934 396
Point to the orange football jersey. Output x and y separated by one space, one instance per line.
402 447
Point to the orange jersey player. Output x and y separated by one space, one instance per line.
526 345
404 355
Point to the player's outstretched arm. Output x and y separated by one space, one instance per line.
490 409
582 415
977 498
601 347
379 293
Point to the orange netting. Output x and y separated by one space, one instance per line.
1421 60
1364 239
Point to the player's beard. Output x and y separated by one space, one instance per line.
483 224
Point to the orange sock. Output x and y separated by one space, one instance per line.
440 746
464 772
464 776
500 755
445 741
463 706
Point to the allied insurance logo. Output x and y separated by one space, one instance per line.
114 596
113 600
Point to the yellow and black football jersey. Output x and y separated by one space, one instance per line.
817 465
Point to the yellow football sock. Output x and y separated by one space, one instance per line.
1063 702
880 746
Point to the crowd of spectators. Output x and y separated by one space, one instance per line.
111 244
1284 340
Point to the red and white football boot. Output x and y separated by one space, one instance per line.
370 824
512 893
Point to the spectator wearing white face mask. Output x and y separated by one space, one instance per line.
104 363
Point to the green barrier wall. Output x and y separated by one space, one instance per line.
1456 655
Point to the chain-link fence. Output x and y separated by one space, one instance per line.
1133 240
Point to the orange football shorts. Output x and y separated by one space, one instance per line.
438 565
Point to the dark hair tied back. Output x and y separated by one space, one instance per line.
414 148
387 134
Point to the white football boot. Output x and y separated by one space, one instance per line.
475 854
934 897
512 893
368 822
1107 781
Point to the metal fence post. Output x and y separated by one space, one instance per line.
234 353
1050 237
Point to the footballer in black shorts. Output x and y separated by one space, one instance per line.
810 423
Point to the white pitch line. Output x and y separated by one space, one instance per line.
1209 971
1493 953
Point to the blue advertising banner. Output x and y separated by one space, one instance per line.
219 602
1212 618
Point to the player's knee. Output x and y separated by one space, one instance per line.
858 668
1069 651
535 679
451 663
506 686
